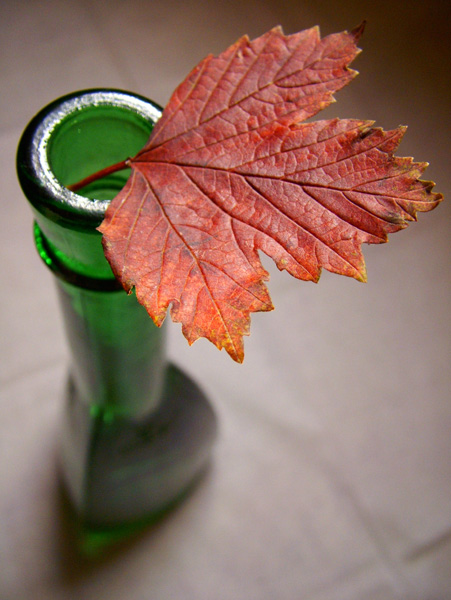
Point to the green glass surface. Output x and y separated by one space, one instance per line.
84 142
94 138
137 432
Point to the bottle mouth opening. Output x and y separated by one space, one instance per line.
76 136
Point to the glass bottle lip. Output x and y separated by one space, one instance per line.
36 177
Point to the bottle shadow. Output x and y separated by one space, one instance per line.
82 551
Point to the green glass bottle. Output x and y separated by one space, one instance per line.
137 431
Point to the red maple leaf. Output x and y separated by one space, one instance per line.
230 169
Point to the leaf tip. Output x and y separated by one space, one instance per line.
357 32
235 351
238 358
277 29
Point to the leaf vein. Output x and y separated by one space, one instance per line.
252 226
303 227
226 70
213 299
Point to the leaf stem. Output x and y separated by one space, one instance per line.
124 164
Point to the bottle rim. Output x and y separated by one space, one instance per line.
36 177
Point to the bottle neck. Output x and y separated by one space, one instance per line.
71 138
118 361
